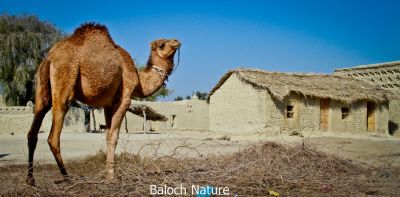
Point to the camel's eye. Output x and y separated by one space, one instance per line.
162 46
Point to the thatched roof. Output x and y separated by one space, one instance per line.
151 114
280 85
367 66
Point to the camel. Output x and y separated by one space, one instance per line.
89 67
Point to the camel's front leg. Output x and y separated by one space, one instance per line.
113 133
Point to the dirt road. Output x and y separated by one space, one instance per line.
367 149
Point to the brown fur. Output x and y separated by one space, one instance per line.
83 31
88 66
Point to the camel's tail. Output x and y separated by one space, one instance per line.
43 89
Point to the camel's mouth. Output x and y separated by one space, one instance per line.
175 43
176 46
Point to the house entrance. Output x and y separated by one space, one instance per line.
371 116
324 114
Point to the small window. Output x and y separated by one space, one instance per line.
345 112
289 111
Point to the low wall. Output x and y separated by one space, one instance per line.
18 120
182 115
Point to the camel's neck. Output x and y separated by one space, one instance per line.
155 73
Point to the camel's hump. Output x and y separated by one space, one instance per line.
88 27
82 31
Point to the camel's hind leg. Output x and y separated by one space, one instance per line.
59 110
40 112
62 92
42 106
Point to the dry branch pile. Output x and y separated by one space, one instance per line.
254 171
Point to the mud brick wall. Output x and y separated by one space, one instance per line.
384 75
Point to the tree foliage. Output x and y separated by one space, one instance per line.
178 98
200 95
162 92
24 42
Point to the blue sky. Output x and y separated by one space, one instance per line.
287 36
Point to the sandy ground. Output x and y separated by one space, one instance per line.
376 150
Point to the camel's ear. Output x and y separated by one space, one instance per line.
153 45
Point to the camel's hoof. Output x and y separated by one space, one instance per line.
30 181
66 179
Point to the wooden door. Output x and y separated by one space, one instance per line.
324 112
371 116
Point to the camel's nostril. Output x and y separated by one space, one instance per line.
175 41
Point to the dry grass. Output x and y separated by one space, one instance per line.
290 171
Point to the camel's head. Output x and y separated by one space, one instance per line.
165 48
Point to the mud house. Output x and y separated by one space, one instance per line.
385 75
247 100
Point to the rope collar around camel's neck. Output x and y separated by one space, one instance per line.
163 74
159 71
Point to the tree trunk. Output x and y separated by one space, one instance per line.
94 120
87 119
144 120
126 124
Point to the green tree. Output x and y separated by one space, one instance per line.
162 92
179 98
24 42
201 95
